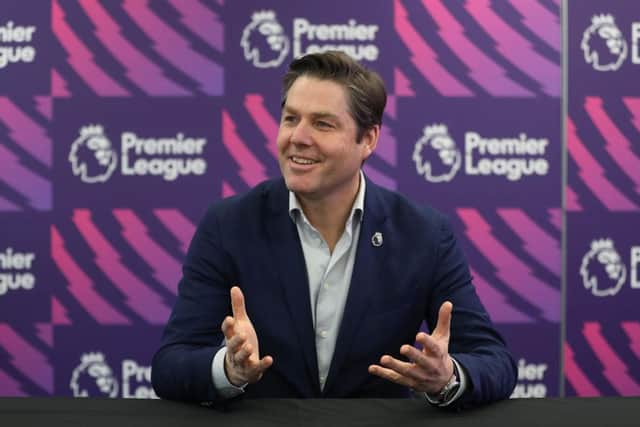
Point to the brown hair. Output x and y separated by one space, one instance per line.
365 88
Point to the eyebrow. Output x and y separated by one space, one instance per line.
315 115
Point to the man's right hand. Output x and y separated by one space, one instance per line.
242 363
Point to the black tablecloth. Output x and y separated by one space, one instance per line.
54 412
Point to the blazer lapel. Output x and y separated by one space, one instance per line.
365 278
285 246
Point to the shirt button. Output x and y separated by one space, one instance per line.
323 334
322 379
326 285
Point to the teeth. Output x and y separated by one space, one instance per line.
301 161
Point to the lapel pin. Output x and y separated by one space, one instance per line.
376 239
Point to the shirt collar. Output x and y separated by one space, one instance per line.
357 210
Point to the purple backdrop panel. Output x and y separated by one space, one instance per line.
26 367
120 266
130 48
603 292
603 49
479 48
604 154
25 153
26 48
25 268
536 350
268 35
137 153
105 361
484 153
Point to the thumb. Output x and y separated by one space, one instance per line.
237 304
443 327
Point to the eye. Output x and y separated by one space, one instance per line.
288 118
324 125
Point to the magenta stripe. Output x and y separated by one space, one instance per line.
267 124
387 146
202 21
632 329
402 85
424 58
482 69
633 105
26 358
81 58
391 109
576 376
139 69
35 188
572 200
175 49
10 387
593 174
25 132
45 333
251 170
555 217
166 268
59 315
58 86
81 287
618 146
512 271
540 21
496 304
615 370
537 243
380 178
178 225
139 297
515 48
44 105
227 190
7 206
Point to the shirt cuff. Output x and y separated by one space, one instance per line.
462 378
225 389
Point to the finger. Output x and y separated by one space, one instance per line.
406 369
391 375
237 303
235 343
418 358
430 345
444 320
228 327
242 356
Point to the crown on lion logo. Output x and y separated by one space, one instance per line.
91 130
437 129
602 19
264 15
89 358
601 244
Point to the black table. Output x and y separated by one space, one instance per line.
56 412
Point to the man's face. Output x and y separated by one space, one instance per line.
318 154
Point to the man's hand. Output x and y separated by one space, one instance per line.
242 363
429 369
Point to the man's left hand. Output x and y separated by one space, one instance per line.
429 369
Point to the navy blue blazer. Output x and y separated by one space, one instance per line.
251 241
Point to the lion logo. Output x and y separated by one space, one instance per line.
93 377
602 270
603 45
436 155
264 42
92 156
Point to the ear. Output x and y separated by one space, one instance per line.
370 141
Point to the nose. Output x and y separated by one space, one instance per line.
300 134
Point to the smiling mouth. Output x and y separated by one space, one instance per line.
302 160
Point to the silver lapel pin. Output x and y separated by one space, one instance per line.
376 239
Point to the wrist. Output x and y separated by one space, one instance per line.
448 391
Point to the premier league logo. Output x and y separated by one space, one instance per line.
264 42
436 156
92 156
602 270
603 45
93 377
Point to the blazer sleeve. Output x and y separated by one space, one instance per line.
181 368
474 342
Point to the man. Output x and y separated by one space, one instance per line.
315 284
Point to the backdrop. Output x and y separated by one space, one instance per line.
121 121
